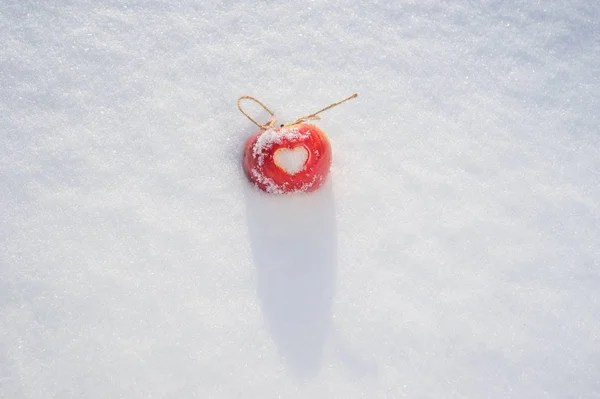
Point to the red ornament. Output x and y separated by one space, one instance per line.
289 159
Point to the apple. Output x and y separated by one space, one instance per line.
288 159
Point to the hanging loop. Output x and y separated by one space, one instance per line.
273 120
265 126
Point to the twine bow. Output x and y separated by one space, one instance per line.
271 122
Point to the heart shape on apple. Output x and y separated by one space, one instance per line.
288 159
291 161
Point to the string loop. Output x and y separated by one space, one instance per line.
265 126
273 120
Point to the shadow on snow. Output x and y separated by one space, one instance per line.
294 246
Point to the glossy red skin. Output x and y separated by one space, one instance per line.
309 179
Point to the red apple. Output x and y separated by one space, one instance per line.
288 159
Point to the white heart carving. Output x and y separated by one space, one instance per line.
291 161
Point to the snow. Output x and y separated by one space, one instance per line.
454 251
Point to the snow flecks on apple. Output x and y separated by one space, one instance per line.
273 188
315 179
270 137
270 186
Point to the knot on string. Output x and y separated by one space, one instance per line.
312 117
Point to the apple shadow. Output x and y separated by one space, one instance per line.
294 248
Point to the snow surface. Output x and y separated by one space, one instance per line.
455 251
